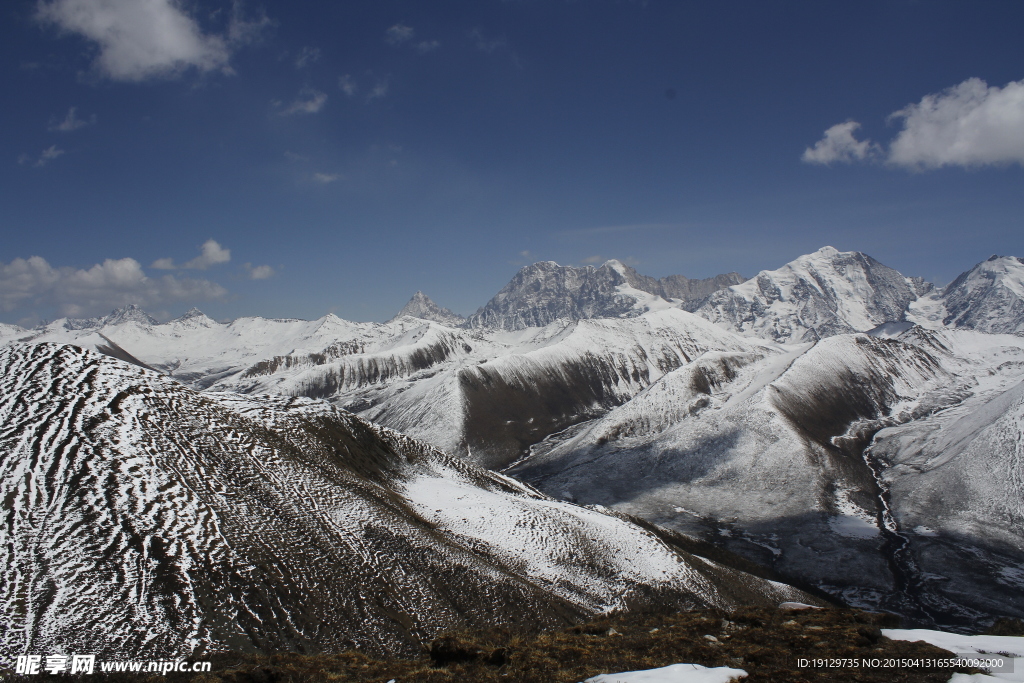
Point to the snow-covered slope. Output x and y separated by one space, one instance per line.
487 395
143 520
765 454
421 306
818 295
9 332
988 297
197 350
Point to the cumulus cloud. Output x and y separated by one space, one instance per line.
425 46
142 39
839 144
71 122
163 264
93 291
310 101
398 34
259 272
325 178
590 260
211 253
307 56
970 124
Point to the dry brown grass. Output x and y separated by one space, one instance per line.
764 642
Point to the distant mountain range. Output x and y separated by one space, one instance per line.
851 427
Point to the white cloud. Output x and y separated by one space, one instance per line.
45 157
143 39
310 102
839 144
970 124
486 44
325 178
96 290
398 34
591 260
71 122
259 272
379 91
307 56
425 46
211 253
163 264
348 85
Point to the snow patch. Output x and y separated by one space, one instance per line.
675 673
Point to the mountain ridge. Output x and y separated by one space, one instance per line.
152 521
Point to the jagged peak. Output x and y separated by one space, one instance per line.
129 313
617 265
194 317
423 307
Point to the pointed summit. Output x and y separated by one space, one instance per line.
129 314
420 306
817 295
195 318
989 297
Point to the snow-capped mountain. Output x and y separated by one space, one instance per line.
483 394
815 296
804 455
870 467
988 297
544 292
146 520
487 395
421 306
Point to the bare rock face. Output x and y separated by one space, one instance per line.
544 292
421 306
692 292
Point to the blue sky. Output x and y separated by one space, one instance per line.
291 159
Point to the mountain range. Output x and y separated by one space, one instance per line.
849 427
143 518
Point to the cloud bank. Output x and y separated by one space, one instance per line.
145 39
96 290
969 125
